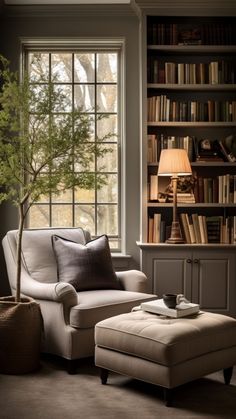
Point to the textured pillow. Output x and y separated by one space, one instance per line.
86 267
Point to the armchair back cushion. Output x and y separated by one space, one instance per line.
37 251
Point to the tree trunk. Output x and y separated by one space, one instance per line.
19 246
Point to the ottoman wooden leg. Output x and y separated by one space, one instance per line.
228 374
104 375
168 397
71 366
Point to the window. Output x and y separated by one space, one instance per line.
91 80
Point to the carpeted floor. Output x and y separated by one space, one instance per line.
51 393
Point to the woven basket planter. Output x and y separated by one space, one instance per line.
20 335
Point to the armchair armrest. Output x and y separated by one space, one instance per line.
58 291
133 280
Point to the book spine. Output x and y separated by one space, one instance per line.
185 227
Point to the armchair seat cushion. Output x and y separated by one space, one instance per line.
98 305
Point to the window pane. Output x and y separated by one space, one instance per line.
106 98
107 126
107 222
39 216
64 196
84 195
38 66
86 164
61 215
38 96
43 199
108 162
114 244
107 67
64 96
108 192
84 68
84 97
62 67
85 217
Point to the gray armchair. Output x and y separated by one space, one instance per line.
69 316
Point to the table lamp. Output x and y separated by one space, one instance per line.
174 162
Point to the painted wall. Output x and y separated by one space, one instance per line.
15 26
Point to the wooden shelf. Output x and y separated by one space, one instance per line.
188 205
195 87
194 49
146 245
193 124
204 164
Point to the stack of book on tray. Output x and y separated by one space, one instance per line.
181 310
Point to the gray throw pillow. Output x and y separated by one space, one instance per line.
86 267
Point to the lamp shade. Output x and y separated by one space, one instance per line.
174 161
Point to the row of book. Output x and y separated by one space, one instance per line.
215 72
163 109
218 150
217 33
213 229
156 143
195 228
220 189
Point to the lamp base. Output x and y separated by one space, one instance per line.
175 236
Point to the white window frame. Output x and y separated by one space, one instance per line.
71 44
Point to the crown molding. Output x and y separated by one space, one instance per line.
188 7
34 2
133 8
69 10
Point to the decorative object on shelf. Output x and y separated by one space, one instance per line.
207 150
184 189
174 162
224 151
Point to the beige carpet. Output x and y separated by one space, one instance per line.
51 393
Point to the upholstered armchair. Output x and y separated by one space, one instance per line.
69 316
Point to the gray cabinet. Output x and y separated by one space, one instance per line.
204 274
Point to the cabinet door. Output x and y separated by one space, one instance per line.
172 274
213 281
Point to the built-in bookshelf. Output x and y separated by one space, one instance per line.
191 104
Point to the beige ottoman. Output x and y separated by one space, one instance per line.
164 351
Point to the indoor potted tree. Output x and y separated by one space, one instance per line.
38 149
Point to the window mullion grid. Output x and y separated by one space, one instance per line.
96 167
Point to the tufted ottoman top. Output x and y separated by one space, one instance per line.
164 340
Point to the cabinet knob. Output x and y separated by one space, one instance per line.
189 261
196 261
